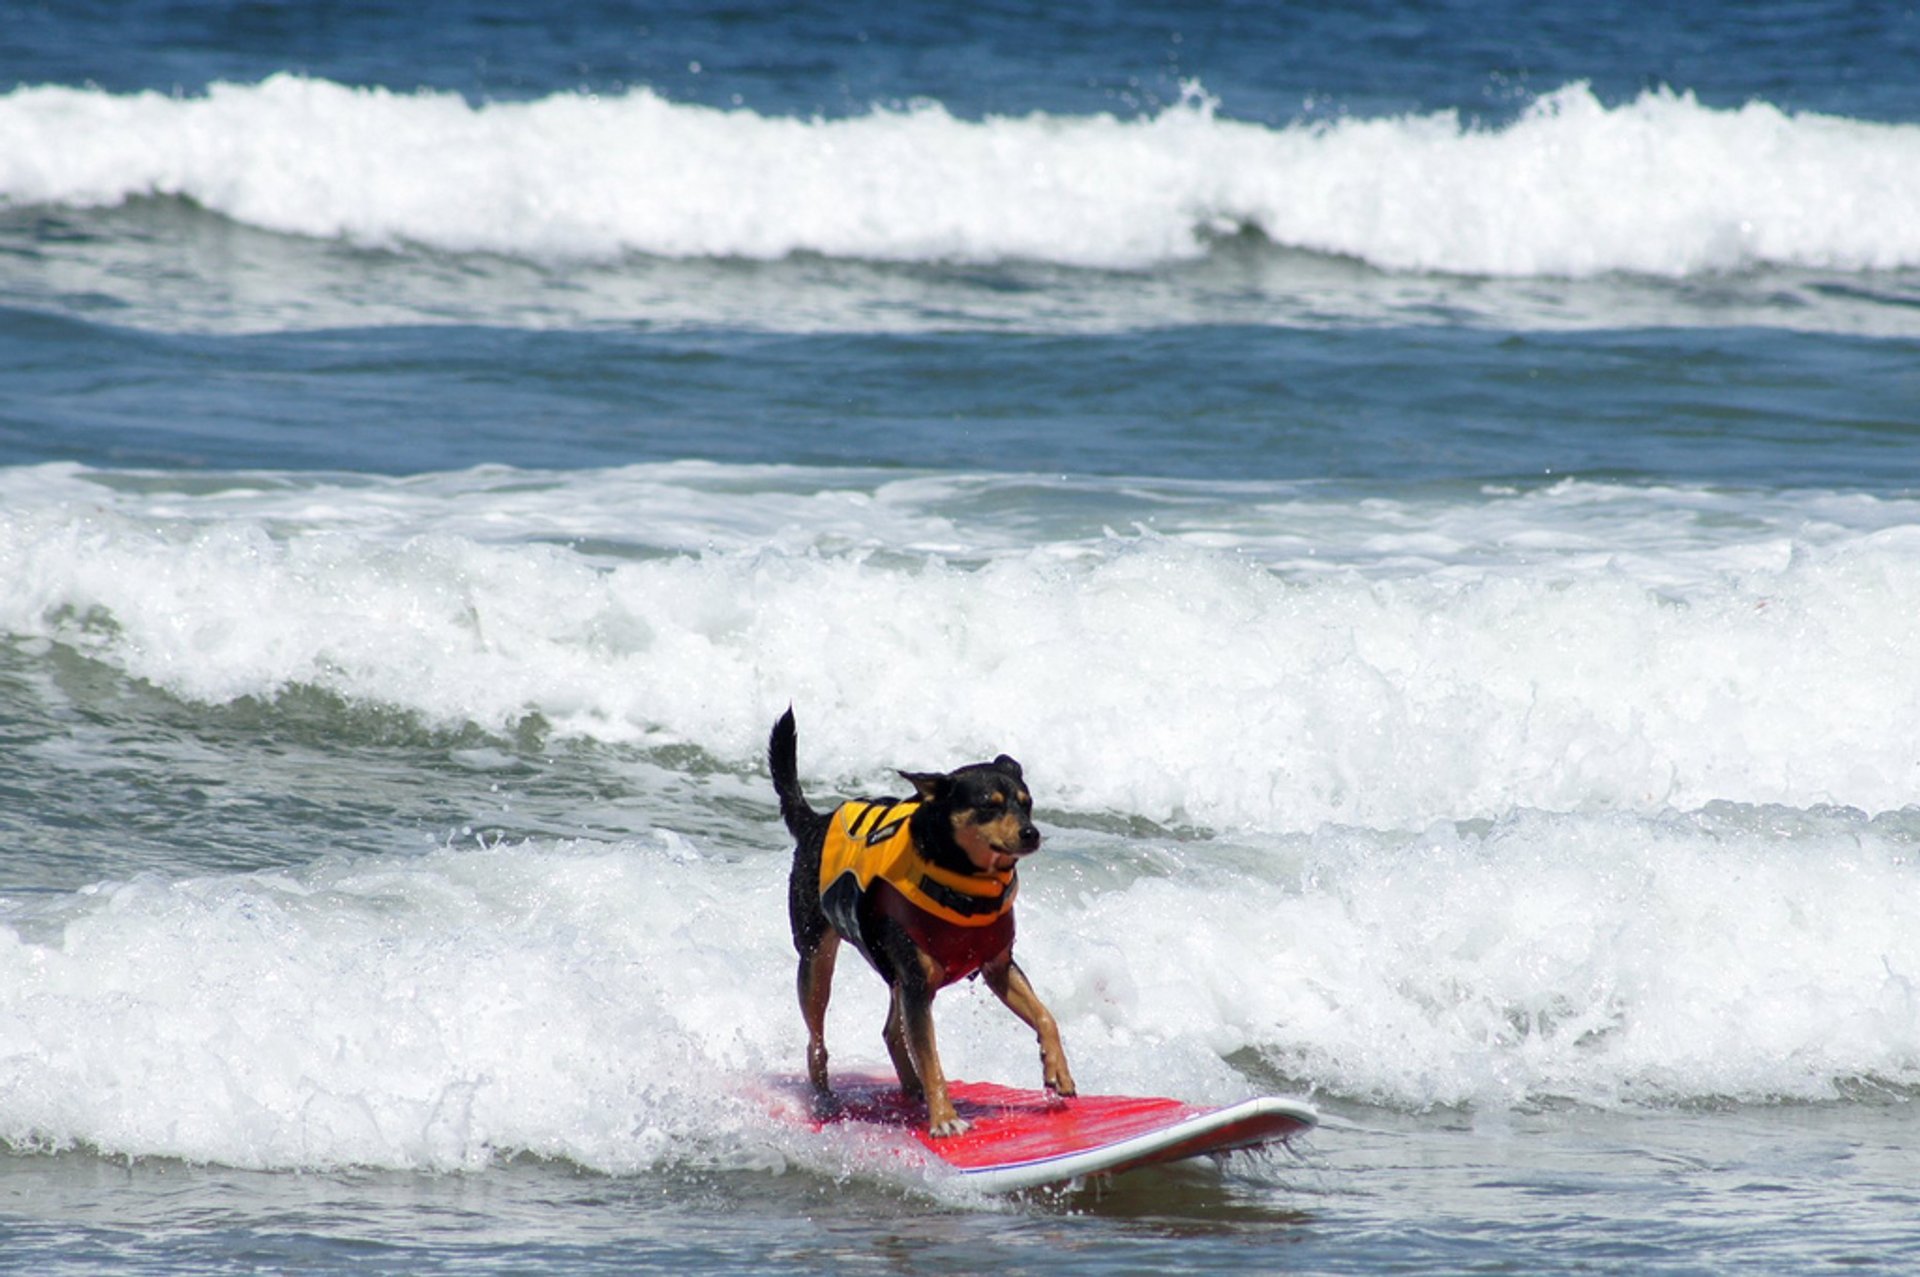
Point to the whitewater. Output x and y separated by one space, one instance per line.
1581 793
579 1001
1659 185
1575 646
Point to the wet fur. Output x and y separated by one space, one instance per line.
968 819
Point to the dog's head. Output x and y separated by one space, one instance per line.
989 809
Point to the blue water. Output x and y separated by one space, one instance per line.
1431 492
1277 61
1406 407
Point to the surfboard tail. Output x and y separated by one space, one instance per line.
783 762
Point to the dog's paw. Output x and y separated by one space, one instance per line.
1057 1080
952 1126
826 1106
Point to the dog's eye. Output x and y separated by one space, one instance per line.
991 808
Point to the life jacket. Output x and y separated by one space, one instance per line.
870 870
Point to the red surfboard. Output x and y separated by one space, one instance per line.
1028 1139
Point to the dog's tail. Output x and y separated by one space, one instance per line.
782 759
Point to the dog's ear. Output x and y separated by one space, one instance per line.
1006 764
931 786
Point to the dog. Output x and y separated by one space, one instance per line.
923 887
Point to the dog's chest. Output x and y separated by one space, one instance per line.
871 871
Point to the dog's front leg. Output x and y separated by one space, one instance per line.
1009 983
914 998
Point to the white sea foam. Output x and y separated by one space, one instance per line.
613 1004
1500 798
1257 657
1661 185
428 1013
1739 953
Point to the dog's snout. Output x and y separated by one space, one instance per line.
1029 838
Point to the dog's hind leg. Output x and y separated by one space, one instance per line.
895 1036
816 987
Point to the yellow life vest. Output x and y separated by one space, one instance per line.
869 868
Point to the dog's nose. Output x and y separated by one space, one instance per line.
1029 838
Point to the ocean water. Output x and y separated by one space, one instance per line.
1430 492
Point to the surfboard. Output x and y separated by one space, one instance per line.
1022 1139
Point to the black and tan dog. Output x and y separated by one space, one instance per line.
924 888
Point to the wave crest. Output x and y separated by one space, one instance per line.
1661 185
